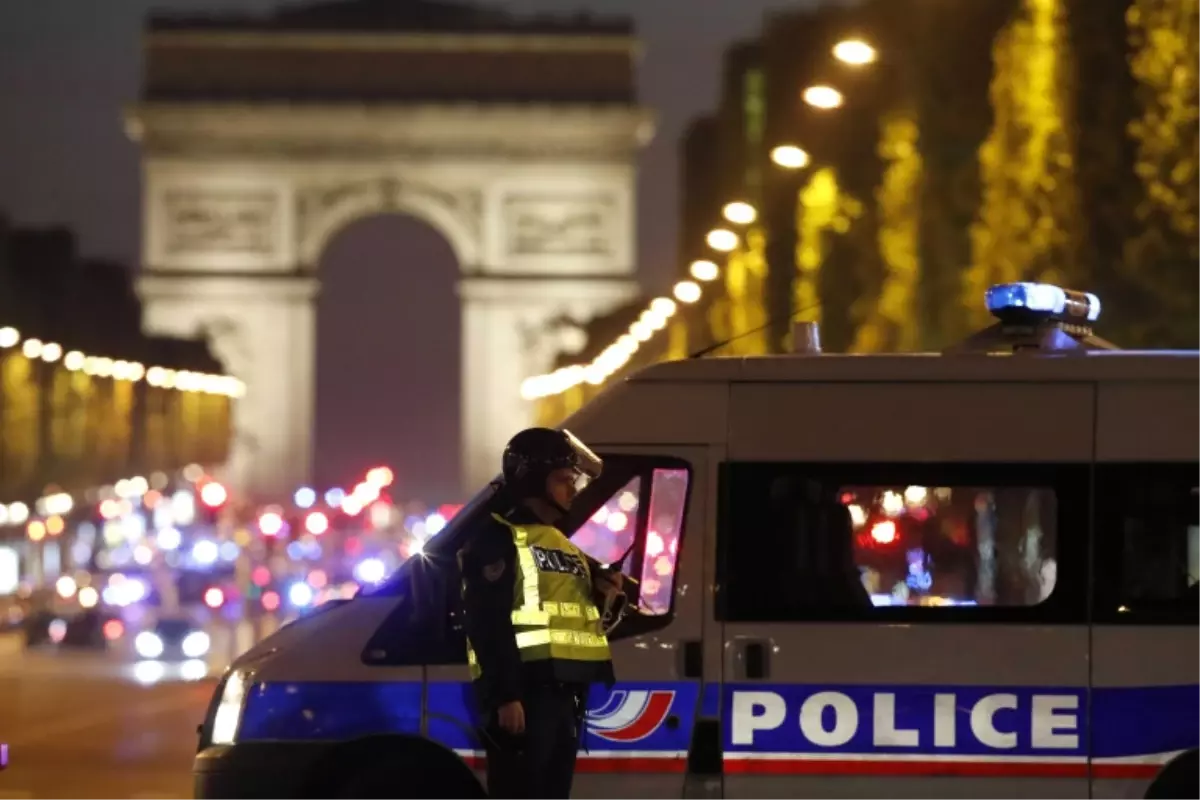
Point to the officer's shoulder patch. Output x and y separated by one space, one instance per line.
493 572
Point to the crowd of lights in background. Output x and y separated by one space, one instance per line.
125 539
132 371
121 542
853 53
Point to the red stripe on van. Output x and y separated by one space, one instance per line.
974 769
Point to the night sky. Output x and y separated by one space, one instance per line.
388 320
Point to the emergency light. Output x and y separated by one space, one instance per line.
1041 302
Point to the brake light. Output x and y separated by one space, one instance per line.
884 531
113 630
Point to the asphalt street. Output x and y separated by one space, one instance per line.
86 725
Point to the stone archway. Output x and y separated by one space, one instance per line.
324 208
244 186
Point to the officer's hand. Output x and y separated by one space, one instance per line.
512 717
609 582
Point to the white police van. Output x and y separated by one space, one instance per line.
947 575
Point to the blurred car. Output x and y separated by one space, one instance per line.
84 629
172 639
12 614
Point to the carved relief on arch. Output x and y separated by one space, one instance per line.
228 340
324 209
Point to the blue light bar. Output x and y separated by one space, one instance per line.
1042 301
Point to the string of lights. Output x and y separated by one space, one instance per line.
653 318
118 370
853 53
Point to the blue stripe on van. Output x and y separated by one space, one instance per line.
789 728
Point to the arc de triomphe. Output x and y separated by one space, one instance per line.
263 137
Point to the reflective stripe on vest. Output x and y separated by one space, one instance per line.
565 626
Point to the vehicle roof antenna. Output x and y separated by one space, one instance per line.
718 345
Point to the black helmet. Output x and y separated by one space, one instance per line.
534 453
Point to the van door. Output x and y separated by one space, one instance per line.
904 630
636 736
1145 639
642 513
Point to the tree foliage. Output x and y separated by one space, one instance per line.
891 323
823 208
1028 222
1160 255
742 307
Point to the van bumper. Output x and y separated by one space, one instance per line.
257 770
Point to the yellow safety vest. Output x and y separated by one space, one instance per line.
553 613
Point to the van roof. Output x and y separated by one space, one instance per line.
1089 366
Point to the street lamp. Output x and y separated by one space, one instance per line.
823 97
722 239
854 52
789 156
704 270
662 306
687 292
739 213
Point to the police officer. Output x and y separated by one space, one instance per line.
535 641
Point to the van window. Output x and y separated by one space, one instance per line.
668 498
610 534
1147 538
860 541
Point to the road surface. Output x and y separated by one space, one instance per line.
90 725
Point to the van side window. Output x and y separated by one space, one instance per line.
1148 527
846 541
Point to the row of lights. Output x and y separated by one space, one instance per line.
132 371
56 505
853 52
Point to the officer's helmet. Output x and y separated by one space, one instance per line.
534 453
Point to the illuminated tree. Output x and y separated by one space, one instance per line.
1103 107
753 314
19 424
1160 255
1028 222
891 323
741 307
823 208
677 339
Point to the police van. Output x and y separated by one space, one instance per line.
966 574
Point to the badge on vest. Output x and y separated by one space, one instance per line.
558 561
493 572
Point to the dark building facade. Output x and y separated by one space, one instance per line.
85 398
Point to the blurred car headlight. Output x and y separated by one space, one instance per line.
195 644
228 717
148 645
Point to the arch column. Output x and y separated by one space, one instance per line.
502 318
262 327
